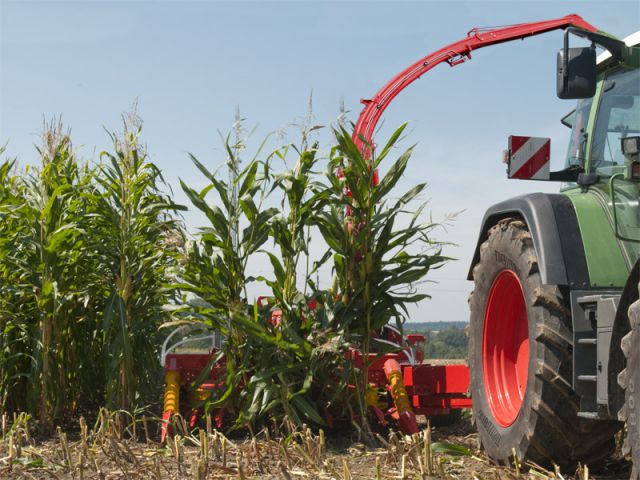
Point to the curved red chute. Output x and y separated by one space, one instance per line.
453 54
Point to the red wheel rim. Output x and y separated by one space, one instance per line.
505 348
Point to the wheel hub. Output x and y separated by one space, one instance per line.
505 348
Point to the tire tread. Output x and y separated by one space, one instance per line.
629 345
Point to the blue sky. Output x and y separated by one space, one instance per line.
190 64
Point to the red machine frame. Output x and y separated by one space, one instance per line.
416 388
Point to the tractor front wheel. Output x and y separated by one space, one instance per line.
520 355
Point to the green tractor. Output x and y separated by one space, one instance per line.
555 310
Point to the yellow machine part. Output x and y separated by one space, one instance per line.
198 396
399 392
373 397
172 391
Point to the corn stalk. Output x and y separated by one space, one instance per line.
380 248
214 279
14 328
42 267
137 240
279 387
265 358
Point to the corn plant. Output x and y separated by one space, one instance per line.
215 276
297 370
42 267
289 371
380 248
263 358
137 240
14 330
85 256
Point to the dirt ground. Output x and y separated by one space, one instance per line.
106 451
103 453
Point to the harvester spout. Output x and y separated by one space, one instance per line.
453 54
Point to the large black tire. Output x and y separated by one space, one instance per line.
546 428
629 380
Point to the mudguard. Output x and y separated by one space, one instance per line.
553 224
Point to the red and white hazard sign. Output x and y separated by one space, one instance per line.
529 157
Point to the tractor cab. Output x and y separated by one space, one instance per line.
604 144
604 123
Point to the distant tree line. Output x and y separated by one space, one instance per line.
449 343
420 327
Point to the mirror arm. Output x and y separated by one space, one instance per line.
616 47
567 175
565 57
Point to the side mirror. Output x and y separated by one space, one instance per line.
576 71
528 158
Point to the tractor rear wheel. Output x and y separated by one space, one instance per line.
629 379
520 355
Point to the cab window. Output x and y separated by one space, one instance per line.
618 117
577 120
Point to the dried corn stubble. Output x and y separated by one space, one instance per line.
99 453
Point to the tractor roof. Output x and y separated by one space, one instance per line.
631 41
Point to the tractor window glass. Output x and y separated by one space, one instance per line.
618 117
577 120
